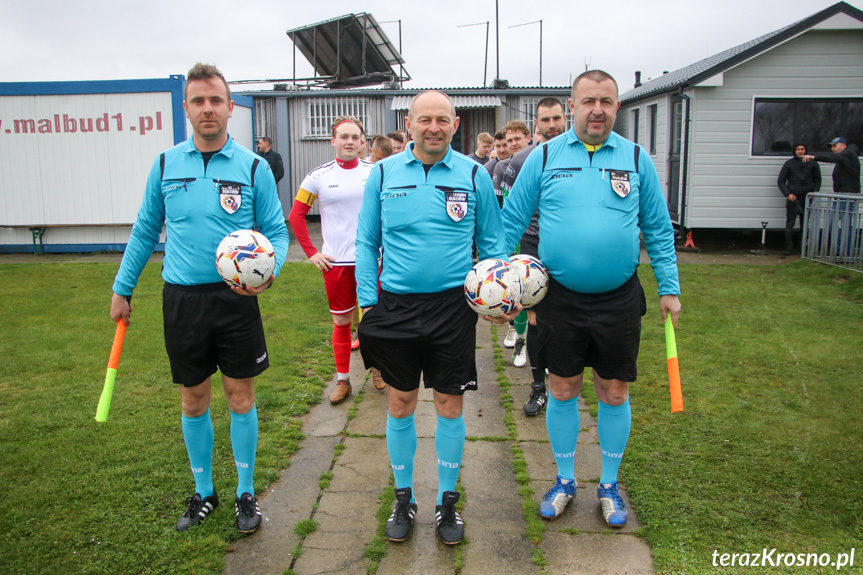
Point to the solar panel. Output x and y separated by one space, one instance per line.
349 51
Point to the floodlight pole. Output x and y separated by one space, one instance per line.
485 67
540 44
497 37
401 57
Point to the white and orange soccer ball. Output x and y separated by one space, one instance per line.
534 278
492 287
245 259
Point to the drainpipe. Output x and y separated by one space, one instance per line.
685 159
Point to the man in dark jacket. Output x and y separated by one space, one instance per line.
796 179
846 180
265 150
846 174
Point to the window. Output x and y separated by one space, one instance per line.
651 117
780 123
320 113
634 129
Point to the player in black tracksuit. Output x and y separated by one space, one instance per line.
796 179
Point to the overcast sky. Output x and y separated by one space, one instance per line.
53 40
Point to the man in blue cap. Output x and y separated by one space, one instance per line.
846 174
846 180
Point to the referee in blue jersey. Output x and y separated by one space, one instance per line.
202 190
425 208
596 193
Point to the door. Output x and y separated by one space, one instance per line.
675 147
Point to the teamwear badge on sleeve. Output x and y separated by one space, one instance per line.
230 196
620 183
456 205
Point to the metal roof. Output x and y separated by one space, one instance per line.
703 69
404 102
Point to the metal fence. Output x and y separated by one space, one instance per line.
833 230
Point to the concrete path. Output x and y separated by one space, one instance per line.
577 543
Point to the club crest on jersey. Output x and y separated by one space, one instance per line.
230 197
456 205
620 183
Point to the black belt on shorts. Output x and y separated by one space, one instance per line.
199 288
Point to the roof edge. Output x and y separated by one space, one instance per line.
791 31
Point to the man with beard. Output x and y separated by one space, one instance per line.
596 193
797 179
201 190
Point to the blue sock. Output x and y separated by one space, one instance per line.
449 445
562 422
402 447
198 435
613 424
244 440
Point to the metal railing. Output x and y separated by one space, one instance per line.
833 230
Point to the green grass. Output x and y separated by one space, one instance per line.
769 450
105 498
305 528
376 549
534 525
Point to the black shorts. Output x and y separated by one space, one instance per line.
209 326
530 245
601 331
406 336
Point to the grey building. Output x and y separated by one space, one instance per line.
720 129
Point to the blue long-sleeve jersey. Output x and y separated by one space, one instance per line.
426 224
591 211
199 207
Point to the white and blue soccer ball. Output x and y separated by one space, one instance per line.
492 287
245 259
534 278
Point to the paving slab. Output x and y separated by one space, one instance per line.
483 409
594 554
346 512
287 501
494 524
326 419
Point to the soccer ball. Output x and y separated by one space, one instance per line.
492 287
534 278
245 259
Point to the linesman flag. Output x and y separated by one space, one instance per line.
673 367
111 375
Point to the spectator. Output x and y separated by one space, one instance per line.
484 143
265 150
797 179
